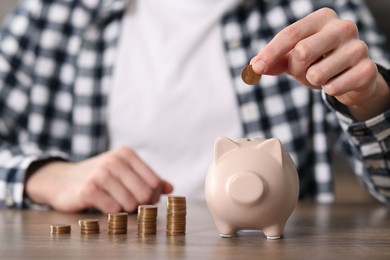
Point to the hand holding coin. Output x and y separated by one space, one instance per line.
249 76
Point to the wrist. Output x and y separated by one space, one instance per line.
374 105
42 180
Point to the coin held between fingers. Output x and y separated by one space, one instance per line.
249 76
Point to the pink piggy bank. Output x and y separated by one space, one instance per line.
251 184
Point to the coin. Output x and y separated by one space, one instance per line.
249 76
118 217
60 229
117 231
147 219
176 215
117 223
89 226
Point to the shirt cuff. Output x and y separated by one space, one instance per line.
14 196
375 129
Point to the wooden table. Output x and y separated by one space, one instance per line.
338 231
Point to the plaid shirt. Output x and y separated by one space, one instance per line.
56 63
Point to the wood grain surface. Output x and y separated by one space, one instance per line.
337 231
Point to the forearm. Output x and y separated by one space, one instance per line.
43 179
15 160
369 143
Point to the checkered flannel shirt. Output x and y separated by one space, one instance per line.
56 64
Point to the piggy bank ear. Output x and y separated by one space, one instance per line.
222 146
273 147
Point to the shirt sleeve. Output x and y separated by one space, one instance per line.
16 62
368 141
370 147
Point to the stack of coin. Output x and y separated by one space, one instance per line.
59 229
117 223
89 226
176 215
147 219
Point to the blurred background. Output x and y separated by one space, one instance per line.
380 9
346 186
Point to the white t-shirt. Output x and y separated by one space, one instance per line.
172 93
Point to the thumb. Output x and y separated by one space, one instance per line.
261 67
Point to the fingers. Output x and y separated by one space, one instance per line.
113 186
133 179
322 51
311 50
339 61
271 59
139 166
143 182
94 197
354 85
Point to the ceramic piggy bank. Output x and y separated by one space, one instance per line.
251 184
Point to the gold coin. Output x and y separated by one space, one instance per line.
60 229
147 207
117 227
175 233
172 198
146 226
117 231
143 232
176 215
147 216
89 225
117 217
89 231
249 76
86 222
176 211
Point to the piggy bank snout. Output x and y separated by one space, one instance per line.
246 187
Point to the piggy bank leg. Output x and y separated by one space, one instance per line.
274 232
226 230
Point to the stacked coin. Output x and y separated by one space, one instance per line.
147 219
117 223
89 226
176 215
59 229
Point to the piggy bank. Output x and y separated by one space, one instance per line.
251 184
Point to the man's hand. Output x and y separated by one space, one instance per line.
323 52
113 181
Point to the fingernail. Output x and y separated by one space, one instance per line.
259 66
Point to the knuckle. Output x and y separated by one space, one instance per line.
154 183
347 27
315 76
109 161
369 69
302 52
328 12
146 196
124 151
101 177
360 47
88 190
